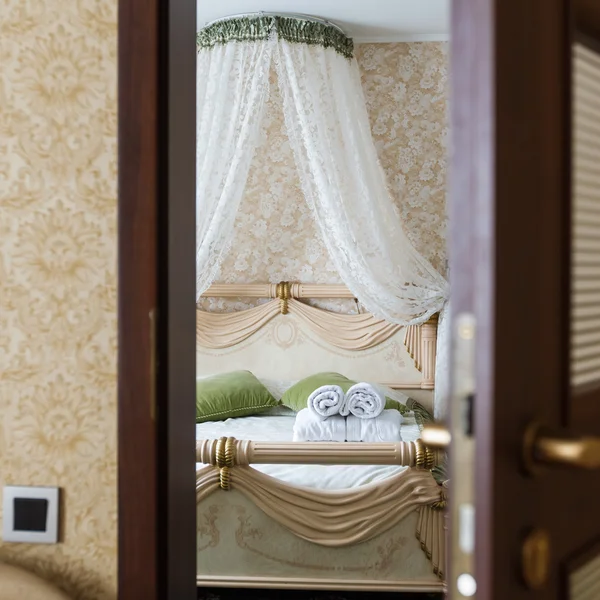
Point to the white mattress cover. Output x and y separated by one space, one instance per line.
270 428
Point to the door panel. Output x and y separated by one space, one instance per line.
584 580
585 294
525 263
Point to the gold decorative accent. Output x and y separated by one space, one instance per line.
535 559
225 455
425 457
430 458
283 292
224 478
442 503
220 453
230 451
420 454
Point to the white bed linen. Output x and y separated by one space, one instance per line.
266 428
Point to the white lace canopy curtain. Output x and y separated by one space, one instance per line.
330 134
232 86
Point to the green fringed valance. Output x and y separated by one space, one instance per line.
288 28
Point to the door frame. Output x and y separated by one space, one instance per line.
156 299
156 216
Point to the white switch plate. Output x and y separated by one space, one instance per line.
10 534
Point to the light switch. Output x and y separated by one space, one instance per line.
30 514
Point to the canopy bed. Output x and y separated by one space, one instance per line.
322 515
307 512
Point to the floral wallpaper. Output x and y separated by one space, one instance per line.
405 86
58 279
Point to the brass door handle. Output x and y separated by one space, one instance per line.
562 450
540 447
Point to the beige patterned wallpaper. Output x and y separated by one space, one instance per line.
405 85
58 278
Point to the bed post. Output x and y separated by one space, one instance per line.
428 348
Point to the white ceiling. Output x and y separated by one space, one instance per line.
363 20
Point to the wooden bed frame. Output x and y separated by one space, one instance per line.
220 334
279 532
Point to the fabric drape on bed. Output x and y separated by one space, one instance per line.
332 518
348 332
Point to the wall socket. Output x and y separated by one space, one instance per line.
30 514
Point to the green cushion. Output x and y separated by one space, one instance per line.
236 394
296 397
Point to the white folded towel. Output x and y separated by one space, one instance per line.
310 427
384 428
363 401
326 401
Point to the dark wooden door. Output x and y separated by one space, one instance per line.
525 271
157 312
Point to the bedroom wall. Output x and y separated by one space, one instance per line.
58 279
405 85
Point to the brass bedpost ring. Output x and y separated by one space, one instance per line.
425 458
224 478
220 454
230 448
283 292
419 454
225 460
430 458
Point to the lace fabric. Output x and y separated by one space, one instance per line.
341 177
231 89
345 186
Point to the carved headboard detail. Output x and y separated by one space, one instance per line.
352 335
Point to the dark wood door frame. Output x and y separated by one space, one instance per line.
156 61
156 303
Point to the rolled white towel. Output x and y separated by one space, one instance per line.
326 401
309 427
363 401
384 428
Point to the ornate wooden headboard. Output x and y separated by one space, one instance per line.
286 338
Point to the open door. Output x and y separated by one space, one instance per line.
525 274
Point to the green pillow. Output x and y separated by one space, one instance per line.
236 394
297 396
